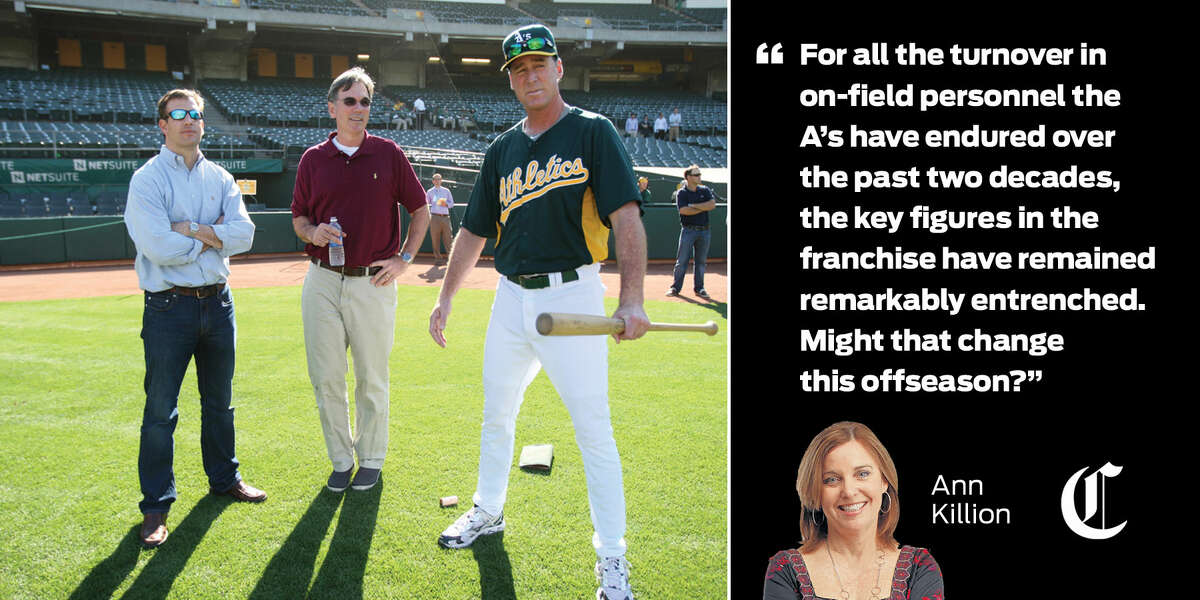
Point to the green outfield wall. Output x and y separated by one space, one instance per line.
76 239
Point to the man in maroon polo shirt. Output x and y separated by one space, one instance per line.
361 180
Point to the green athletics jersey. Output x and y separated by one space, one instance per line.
547 201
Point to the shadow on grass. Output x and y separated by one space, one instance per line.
107 576
290 570
495 572
160 572
721 308
341 574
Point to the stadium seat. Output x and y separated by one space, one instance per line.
57 205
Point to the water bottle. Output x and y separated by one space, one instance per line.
337 252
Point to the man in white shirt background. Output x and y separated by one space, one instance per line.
440 201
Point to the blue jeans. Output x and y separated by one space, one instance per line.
692 240
174 329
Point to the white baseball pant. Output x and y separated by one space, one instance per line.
578 368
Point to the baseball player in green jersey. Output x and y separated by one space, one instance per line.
548 192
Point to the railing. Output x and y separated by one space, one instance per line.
70 150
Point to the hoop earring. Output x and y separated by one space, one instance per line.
814 517
889 503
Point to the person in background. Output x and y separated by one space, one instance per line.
660 127
675 120
440 201
419 107
694 202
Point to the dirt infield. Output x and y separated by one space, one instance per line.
108 279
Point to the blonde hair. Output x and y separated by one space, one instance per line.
808 482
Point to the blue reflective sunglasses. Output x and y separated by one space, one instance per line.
179 113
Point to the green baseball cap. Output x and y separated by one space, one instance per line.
530 39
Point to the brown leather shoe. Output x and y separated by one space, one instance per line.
154 529
242 492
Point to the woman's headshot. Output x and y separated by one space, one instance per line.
848 486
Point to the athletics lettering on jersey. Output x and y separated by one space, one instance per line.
516 190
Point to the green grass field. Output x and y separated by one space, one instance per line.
70 410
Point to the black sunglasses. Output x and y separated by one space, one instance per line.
693 174
179 113
517 47
350 101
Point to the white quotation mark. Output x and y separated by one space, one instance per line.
776 57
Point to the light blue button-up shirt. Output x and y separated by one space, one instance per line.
164 191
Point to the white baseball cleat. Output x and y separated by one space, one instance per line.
470 525
613 574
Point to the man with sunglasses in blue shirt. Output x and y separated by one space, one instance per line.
186 217
549 191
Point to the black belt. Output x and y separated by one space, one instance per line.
696 227
203 291
537 281
350 271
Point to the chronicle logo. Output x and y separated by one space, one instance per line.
1091 483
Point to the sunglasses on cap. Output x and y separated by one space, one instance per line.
179 113
696 174
538 43
350 101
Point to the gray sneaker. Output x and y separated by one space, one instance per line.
470 525
613 574
365 478
339 480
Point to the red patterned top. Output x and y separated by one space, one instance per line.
917 577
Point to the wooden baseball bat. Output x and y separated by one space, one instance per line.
577 324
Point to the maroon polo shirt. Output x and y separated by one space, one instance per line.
363 191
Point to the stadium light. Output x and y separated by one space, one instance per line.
363 57
434 59
476 61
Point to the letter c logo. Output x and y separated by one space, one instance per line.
1071 515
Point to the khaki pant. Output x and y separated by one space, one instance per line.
340 312
440 234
